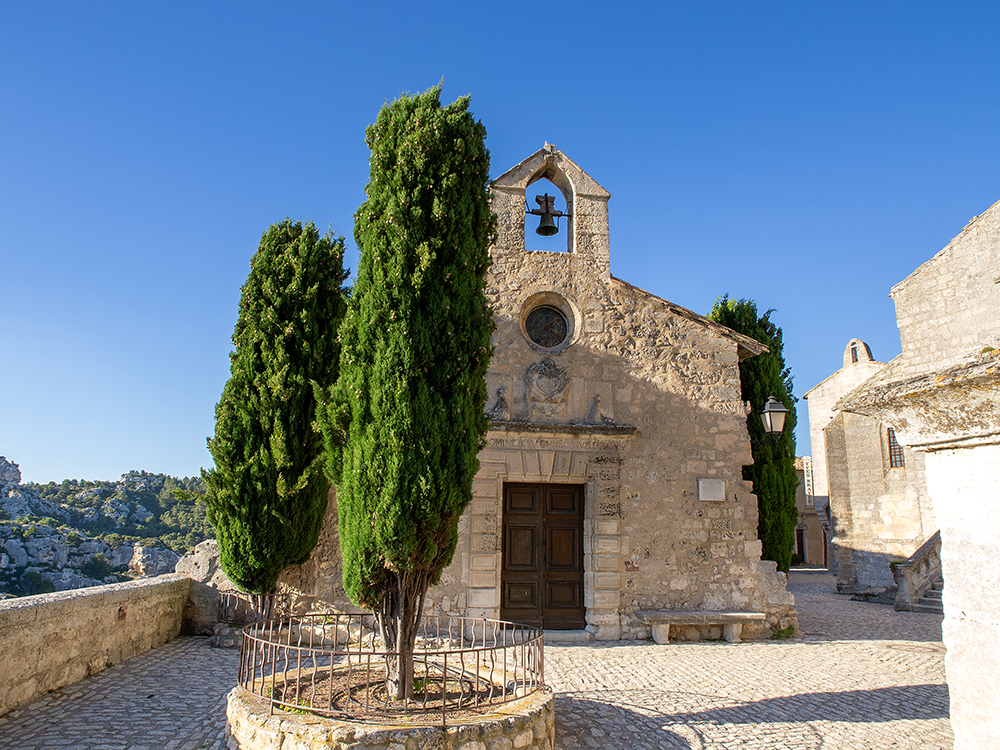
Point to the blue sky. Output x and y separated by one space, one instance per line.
806 155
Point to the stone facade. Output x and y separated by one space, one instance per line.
858 366
870 488
947 308
942 397
638 403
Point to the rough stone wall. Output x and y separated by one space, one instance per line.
317 585
649 542
880 514
948 307
528 723
51 640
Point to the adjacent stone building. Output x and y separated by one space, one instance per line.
942 398
611 480
811 530
871 488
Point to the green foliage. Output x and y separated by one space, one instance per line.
405 421
177 504
32 583
267 493
773 470
783 633
97 567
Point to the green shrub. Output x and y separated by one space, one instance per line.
97 567
783 634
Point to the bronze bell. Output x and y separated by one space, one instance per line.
547 211
546 226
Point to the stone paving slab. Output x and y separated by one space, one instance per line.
858 676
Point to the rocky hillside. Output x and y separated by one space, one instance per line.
80 533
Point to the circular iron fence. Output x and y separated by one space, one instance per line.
336 665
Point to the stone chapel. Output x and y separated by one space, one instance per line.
611 480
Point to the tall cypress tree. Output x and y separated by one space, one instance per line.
405 422
267 493
773 470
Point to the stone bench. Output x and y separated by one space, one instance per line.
731 622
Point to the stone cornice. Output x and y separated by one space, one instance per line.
562 429
954 407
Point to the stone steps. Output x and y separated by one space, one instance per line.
931 600
567 636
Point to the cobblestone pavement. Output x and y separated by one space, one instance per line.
170 698
857 676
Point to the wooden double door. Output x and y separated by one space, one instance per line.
541 581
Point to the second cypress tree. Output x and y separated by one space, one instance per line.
267 493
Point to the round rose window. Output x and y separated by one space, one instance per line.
546 326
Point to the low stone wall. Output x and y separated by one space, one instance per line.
524 724
52 640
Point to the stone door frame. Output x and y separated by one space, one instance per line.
577 457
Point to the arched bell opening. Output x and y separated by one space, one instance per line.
548 220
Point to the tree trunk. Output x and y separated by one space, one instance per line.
262 606
398 620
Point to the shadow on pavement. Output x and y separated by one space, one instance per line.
634 713
899 703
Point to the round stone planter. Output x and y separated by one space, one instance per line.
527 723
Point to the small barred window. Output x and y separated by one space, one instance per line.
895 450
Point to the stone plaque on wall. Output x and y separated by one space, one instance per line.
712 490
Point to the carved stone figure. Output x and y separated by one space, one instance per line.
500 411
595 415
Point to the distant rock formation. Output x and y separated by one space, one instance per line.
152 561
17 501
40 550
202 565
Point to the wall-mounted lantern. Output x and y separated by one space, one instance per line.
773 416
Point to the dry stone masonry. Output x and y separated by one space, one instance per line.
879 508
525 724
